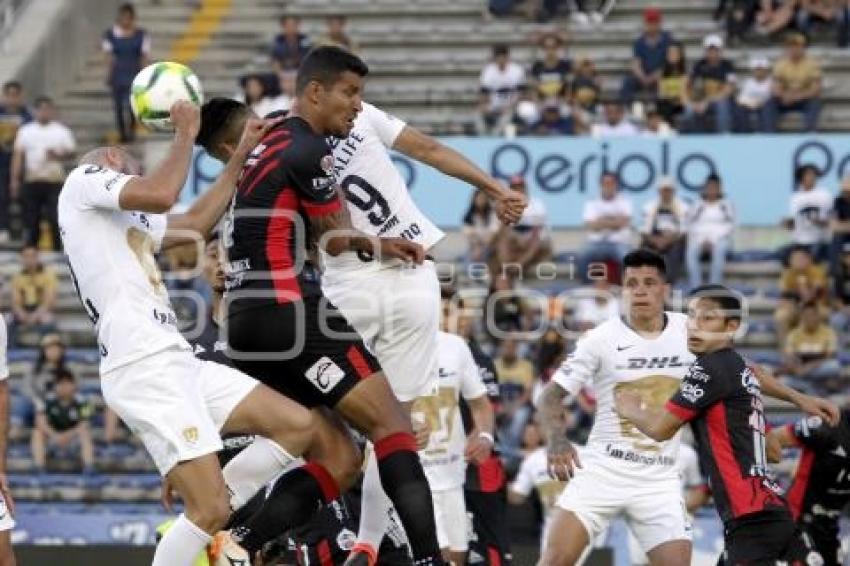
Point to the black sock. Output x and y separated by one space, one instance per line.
241 515
405 484
294 499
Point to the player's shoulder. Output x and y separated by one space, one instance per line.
452 341
604 333
678 319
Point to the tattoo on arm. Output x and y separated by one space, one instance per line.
553 421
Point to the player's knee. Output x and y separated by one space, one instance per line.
212 514
296 432
350 463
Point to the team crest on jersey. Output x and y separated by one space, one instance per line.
190 434
327 164
749 381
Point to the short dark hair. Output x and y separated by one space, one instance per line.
218 116
713 178
501 49
728 299
609 173
12 85
800 248
283 19
127 8
801 171
43 99
64 374
645 258
325 64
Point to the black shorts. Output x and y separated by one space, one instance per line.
769 542
824 538
305 350
490 539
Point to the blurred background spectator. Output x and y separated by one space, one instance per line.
335 33
709 89
655 124
521 247
516 380
649 53
585 88
774 16
290 45
41 149
825 13
595 305
608 222
664 227
711 223
13 114
40 379
501 81
840 224
480 226
797 85
673 83
550 74
753 94
127 49
811 361
62 427
33 299
615 123
810 209
840 314
802 282
553 123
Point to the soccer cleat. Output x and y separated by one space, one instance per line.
223 551
362 554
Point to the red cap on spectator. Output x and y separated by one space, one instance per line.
652 15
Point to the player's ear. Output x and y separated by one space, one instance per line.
733 324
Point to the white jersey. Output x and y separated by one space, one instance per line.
534 474
613 356
378 199
4 363
110 252
688 465
443 459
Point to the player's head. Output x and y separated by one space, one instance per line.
714 316
645 286
114 158
222 123
213 269
329 89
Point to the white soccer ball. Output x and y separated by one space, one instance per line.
157 87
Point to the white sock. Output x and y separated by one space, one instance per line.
181 544
375 507
250 470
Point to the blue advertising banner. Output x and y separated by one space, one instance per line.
757 171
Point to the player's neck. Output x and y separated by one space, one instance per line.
652 325
216 309
299 111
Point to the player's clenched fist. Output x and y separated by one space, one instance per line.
402 249
186 118
563 459
510 206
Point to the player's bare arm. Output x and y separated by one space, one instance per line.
4 437
157 192
657 423
562 455
814 406
778 439
426 149
196 223
480 442
336 235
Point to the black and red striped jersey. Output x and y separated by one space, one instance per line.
821 487
287 179
721 397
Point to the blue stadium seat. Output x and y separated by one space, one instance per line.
766 357
753 255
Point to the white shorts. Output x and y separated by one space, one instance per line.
7 522
397 313
654 510
175 403
450 515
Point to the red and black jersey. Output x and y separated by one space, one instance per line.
287 179
821 487
721 398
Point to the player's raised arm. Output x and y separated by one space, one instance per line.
814 406
424 148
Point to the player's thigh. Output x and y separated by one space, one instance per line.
659 521
7 555
592 500
568 538
160 398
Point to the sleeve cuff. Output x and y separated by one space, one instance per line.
321 209
681 412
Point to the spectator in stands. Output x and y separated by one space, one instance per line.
586 86
802 282
505 306
290 45
596 306
840 314
553 123
754 93
41 147
551 73
615 124
656 126
740 17
811 353
797 85
711 223
501 81
608 222
523 246
7 557
38 382
286 85
13 114
33 296
664 227
62 427
335 34
674 81
774 16
254 93
709 90
840 223
828 12
516 381
810 209
127 49
480 226
649 52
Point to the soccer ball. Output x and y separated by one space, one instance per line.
157 87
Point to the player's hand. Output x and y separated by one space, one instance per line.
510 206
167 495
773 448
422 433
402 249
478 449
562 458
817 407
255 129
7 494
186 118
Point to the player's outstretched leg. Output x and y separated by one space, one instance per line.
566 547
373 408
